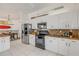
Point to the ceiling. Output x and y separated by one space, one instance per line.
22 7
15 9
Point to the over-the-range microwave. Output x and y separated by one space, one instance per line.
42 25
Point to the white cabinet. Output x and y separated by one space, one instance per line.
53 22
57 45
34 24
74 48
78 19
51 44
1 44
32 39
4 43
7 43
68 20
68 47
62 46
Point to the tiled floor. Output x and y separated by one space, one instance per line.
19 49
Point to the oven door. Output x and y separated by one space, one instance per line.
40 42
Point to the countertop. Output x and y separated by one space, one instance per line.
1 35
4 34
63 37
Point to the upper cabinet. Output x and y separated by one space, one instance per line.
37 20
68 20
78 19
65 20
53 21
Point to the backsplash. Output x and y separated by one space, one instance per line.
69 33
63 33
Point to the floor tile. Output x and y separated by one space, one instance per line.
20 49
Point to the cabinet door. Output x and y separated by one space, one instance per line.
6 42
34 24
62 46
38 20
78 19
1 44
32 39
68 20
74 48
54 45
47 43
53 22
51 44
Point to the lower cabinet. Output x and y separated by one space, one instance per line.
7 43
51 44
73 48
4 43
1 44
62 46
32 39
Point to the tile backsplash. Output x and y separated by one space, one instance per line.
70 33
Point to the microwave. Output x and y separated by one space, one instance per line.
42 25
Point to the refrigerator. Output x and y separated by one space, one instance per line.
26 30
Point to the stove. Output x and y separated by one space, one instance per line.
40 37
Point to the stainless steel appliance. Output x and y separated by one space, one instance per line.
26 29
42 25
39 42
40 37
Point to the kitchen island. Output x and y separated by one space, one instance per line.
4 42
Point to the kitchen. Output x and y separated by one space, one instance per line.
52 28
